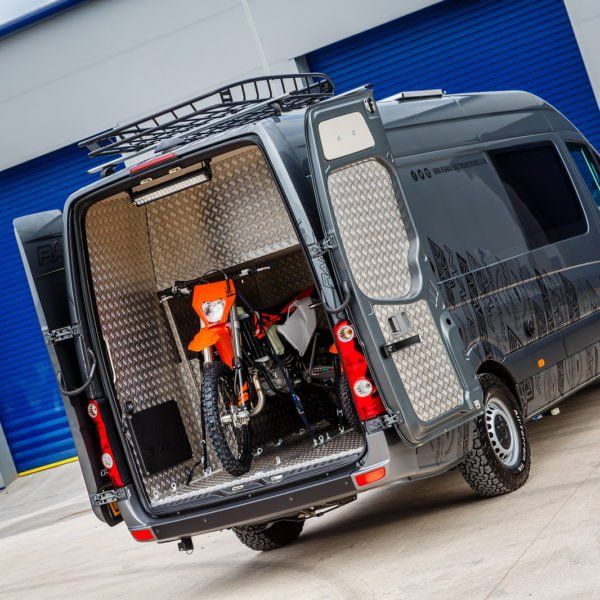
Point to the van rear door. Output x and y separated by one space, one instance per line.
413 346
40 241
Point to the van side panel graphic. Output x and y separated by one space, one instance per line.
506 305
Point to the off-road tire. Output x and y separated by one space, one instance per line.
482 469
263 538
213 372
345 401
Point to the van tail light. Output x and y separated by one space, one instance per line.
369 477
366 397
143 535
152 162
108 457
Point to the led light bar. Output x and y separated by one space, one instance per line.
176 180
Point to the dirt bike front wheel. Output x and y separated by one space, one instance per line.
231 441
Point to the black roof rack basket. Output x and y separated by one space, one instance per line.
231 106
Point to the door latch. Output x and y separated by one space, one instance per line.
109 496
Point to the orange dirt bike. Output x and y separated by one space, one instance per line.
249 355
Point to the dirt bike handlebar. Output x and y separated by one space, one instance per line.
183 287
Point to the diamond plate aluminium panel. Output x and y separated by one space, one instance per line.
300 456
133 324
236 217
425 368
372 228
374 236
126 261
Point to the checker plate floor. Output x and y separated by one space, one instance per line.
275 464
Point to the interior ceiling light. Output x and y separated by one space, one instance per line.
176 180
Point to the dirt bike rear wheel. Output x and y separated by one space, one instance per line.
232 444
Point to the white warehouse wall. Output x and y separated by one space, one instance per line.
109 61
585 19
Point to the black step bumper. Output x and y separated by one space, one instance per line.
249 509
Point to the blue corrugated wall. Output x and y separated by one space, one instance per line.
468 46
31 410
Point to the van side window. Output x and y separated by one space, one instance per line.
540 191
588 167
459 204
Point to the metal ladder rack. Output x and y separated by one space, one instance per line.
231 106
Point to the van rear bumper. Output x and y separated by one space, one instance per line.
385 449
276 504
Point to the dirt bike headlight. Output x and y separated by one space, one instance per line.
213 310
362 387
345 333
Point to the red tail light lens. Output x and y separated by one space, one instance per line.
108 457
152 162
366 397
369 477
142 535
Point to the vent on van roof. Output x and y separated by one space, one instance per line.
217 111
416 95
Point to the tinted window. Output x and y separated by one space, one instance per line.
541 193
457 202
588 167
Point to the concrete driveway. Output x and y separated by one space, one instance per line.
429 539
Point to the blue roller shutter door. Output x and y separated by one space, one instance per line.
467 46
31 410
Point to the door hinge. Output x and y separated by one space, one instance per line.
327 244
383 422
109 496
60 335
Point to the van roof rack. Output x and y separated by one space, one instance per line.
227 107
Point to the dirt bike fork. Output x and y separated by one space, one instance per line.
240 386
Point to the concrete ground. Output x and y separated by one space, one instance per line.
429 539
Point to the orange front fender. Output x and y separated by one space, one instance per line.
206 337
215 335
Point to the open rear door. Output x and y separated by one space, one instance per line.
40 240
413 346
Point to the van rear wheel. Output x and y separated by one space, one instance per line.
500 459
269 537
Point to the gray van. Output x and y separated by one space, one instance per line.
274 298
